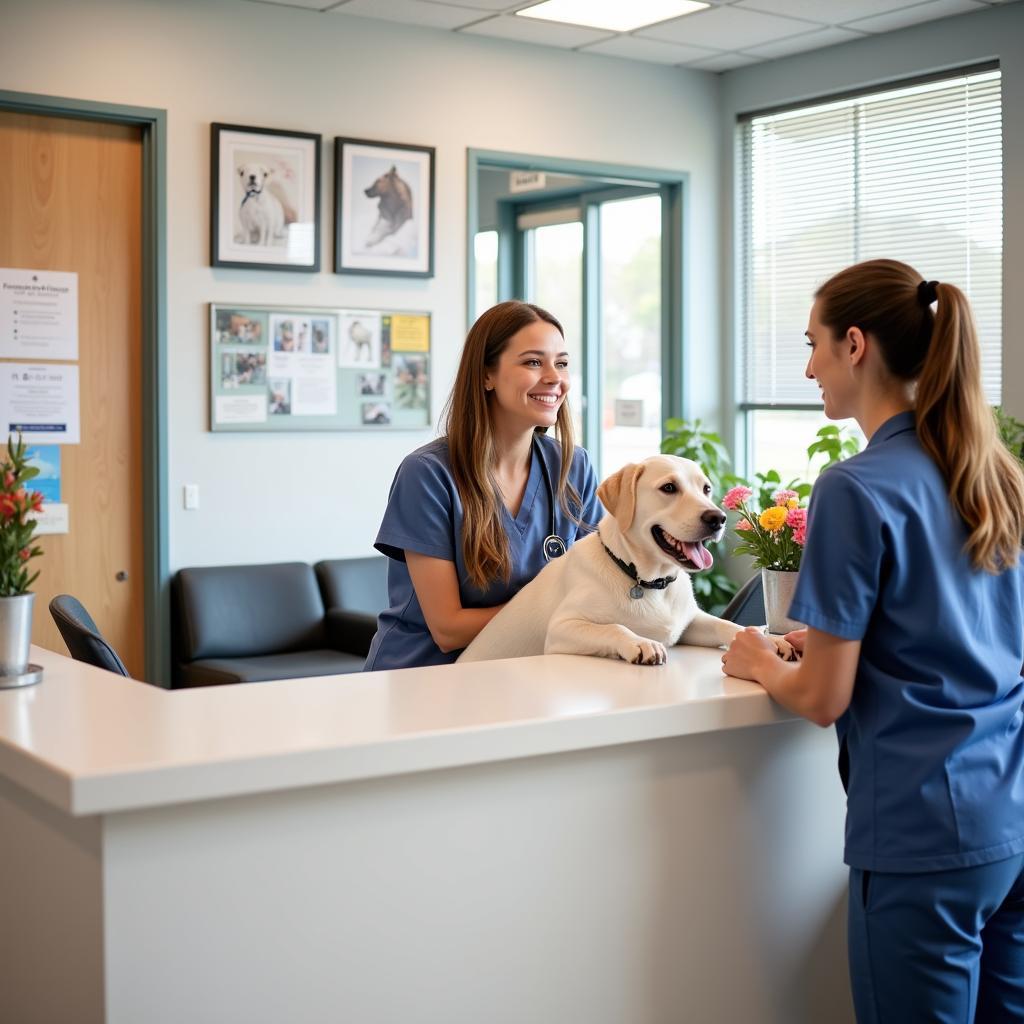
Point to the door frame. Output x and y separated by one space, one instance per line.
674 187
155 510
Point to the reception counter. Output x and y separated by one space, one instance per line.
553 839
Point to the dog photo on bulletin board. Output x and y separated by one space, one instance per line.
384 208
265 198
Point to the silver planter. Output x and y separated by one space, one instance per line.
779 586
15 634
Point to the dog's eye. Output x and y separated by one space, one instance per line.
707 488
669 488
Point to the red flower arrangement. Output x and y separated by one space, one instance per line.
17 525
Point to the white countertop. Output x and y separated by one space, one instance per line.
90 742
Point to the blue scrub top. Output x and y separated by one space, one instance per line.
934 729
424 514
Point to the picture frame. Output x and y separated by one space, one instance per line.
383 208
264 198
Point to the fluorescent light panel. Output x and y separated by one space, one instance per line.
614 15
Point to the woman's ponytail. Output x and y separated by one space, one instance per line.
956 427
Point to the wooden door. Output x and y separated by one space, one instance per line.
71 200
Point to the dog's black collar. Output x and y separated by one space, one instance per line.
250 193
629 569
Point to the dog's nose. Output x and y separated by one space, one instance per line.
713 518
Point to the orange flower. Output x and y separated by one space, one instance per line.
24 554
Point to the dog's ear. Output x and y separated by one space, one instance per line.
618 493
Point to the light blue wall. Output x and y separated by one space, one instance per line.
997 33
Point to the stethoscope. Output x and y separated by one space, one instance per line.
553 546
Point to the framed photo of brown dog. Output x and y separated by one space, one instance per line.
384 208
264 198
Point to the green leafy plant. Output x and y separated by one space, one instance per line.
693 441
17 527
1011 431
835 443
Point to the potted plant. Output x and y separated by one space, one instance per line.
17 528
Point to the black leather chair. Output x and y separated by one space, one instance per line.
356 584
747 605
83 638
354 590
250 623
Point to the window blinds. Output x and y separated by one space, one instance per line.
913 174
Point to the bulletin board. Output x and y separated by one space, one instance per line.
287 368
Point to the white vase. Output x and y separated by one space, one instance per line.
779 586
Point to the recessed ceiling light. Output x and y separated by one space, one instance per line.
614 15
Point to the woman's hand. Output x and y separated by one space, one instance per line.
796 639
749 654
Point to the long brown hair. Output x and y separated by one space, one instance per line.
940 352
470 436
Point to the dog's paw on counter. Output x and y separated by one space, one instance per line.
786 651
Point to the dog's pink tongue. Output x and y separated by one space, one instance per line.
698 554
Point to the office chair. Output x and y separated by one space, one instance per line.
747 605
83 639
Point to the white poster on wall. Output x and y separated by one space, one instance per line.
41 402
38 314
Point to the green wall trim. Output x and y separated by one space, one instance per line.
156 576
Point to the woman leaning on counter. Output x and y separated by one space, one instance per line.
911 587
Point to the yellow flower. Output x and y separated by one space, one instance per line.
773 519
792 503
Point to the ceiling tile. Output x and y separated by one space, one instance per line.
411 12
826 13
633 48
489 5
816 40
915 15
306 5
725 28
725 62
546 33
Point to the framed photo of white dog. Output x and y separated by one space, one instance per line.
264 198
384 208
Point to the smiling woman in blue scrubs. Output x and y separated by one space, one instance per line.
473 516
911 587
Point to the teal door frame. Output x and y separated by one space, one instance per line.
153 124
673 186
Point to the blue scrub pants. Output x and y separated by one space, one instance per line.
946 947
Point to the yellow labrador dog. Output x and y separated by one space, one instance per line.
624 591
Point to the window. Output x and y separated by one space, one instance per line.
624 245
485 251
911 173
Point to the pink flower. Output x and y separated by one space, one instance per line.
744 524
797 518
784 497
800 535
24 554
735 497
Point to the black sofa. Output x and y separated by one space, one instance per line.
251 623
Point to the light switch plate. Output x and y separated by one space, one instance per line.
191 497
